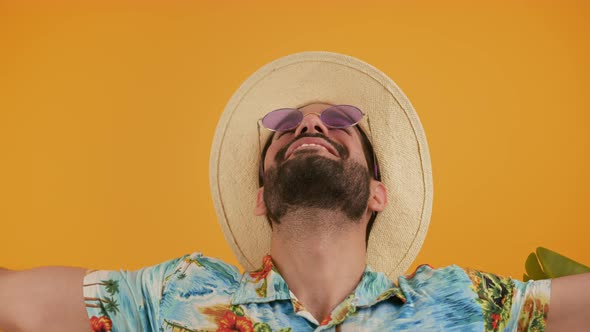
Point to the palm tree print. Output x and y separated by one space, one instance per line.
111 286
111 305
175 327
181 272
108 304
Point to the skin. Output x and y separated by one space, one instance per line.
43 299
569 303
322 241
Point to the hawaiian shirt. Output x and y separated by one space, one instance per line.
199 293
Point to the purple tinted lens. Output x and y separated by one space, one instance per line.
341 116
282 119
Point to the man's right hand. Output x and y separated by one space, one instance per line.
43 299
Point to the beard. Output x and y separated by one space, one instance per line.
311 181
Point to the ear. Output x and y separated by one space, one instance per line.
260 209
378 198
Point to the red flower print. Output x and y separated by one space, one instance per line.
264 271
495 320
326 320
231 322
101 324
297 305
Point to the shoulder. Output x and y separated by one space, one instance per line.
439 284
198 267
426 275
454 279
135 300
503 303
198 287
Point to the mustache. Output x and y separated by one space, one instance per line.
342 151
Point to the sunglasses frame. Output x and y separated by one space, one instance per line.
260 121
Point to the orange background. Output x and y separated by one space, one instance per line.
107 114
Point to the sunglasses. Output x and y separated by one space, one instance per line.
338 116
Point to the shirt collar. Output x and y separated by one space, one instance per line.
266 285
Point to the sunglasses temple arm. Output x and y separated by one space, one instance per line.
260 162
258 128
375 165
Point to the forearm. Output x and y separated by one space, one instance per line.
569 307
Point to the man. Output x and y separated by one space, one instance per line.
334 203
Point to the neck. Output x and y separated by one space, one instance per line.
321 255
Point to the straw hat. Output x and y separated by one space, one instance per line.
398 140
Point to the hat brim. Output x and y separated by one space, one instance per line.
398 140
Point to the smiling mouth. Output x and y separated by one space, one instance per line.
311 143
308 146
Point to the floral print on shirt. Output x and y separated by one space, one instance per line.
199 293
496 294
495 297
533 316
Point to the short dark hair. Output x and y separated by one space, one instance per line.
370 157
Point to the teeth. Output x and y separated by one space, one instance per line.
311 144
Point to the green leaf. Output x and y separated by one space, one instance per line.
286 329
262 327
236 309
556 265
525 277
533 268
261 291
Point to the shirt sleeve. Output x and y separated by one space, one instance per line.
124 300
511 305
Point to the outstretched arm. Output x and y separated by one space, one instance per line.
569 308
42 299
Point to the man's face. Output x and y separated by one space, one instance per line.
314 166
329 144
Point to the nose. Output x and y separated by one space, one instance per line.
311 124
